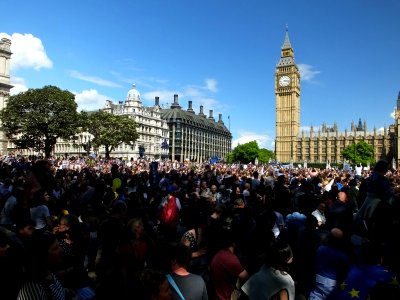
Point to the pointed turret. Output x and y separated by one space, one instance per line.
359 126
286 42
287 54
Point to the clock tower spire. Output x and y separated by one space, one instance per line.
287 93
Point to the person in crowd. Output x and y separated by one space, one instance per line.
340 214
39 210
44 252
353 194
319 214
191 286
365 275
214 230
135 251
11 268
273 279
331 266
237 238
370 220
73 240
226 269
9 213
153 285
109 277
281 200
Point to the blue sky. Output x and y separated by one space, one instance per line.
218 53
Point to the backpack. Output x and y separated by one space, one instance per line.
169 215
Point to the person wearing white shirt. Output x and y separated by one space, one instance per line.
319 214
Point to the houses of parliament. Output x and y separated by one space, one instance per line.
325 144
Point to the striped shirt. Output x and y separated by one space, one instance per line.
34 290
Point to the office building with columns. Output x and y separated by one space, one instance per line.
195 137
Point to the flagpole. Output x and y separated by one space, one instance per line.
229 126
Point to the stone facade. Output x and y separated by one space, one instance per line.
152 131
153 137
327 143
195 137
5 86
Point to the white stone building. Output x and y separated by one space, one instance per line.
151 128
152 131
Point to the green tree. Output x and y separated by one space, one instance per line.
36 118
111 130
362 152
245 153
264 155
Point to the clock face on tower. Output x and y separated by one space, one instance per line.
284 80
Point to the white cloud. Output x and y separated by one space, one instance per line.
166 97
307 72
393 114
207 103
211 85
89 100
19 85
93 79
28 52
191 92
199 95
263 140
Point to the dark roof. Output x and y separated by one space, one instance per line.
171 114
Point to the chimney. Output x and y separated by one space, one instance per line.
220 119
201 111
210 116
157 101
176 103
190 109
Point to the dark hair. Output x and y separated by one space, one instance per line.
37 253
278 256
179 253
41 170
23 222
38 198
75 230
381 166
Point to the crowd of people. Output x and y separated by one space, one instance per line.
82 228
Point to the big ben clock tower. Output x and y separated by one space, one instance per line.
287 92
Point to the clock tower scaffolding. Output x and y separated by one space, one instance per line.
287 92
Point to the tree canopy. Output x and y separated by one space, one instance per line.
36 118
110 130
248 152
362 153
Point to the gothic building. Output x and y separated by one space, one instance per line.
327 143
195 137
